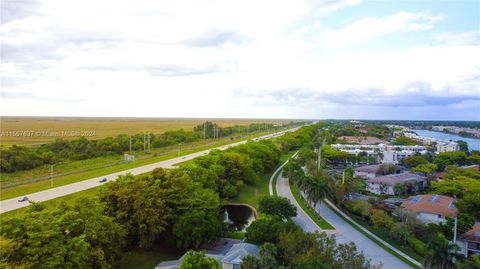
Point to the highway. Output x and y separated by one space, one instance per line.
12 204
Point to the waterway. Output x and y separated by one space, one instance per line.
473 143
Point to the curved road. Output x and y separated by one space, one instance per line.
12 204
344 232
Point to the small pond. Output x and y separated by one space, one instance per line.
238 216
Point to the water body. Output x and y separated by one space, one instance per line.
473 143
239 216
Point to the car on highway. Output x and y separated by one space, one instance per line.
103 180
184 158
23 199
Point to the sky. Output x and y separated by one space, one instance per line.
344 59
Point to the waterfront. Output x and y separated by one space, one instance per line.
473 143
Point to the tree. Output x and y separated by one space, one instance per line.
250 262
463 146
473 262
138 204
65 236
426 169
360 208
380 219
277 206
399 189
470 204
298 249
316 190
195 228
268 253
198 260
400 232
440 253
445 159
267 230
414 160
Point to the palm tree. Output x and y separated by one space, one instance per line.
441 253
316 190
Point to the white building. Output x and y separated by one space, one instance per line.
371 171
447 146
383 153
430 208
385 184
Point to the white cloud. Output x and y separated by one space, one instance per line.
217 59
370 27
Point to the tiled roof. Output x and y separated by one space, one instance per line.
393 179
472 235
431 203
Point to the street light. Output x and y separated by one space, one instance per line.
51 173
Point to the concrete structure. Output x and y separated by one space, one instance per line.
227 254
363 140
447 146
430 208
469 242
385 184
371 171
382 152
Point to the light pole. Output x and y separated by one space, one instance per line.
51 173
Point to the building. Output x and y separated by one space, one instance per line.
430 208
363 140
381 152
447 146
386 184
371 171
469 242
229 254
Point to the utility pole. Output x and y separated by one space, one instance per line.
319 160
51 174
130 144
455 230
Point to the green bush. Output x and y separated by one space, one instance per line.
416 244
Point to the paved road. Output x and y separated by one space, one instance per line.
12 204
302 219
344 232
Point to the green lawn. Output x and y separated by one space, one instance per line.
321 222
24 189
251 194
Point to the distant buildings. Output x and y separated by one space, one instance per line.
447 146
382 152
362 140
386 184
457 130
430 208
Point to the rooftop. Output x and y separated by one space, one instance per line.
431 203
364 140
473 234
393 179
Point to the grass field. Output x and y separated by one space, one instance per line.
102 127
11 192
251 194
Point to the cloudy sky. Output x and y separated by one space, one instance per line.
264 59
